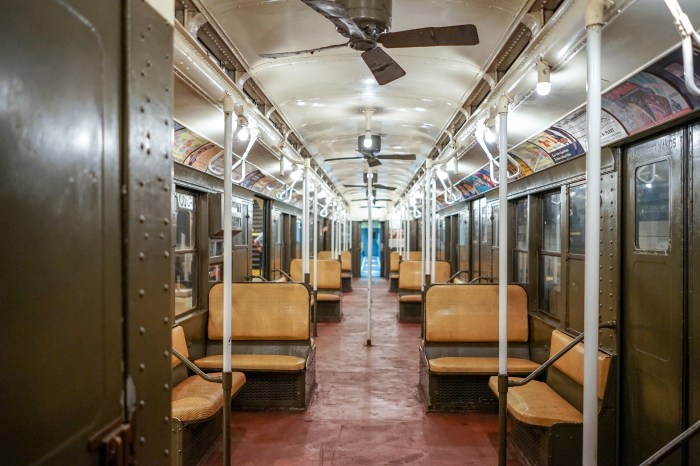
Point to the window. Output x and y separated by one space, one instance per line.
520 270
185 252
550 254
652 206
577 217
484 225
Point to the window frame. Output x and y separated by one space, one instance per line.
194 249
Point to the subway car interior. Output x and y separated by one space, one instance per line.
276 232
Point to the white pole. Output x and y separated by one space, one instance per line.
502 274
333 233
594 25
228 145
433 233
369 257
305 221
316 232
228 276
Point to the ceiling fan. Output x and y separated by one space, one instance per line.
369 144
366 26
374 185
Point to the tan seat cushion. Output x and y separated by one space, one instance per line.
345 275
477 365
538 405
394 275
326 297
195 399
255 362
411 298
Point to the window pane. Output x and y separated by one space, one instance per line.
521 225
494 238
551 222
185 221
549 284
520 267
475 230
652 206
577 216
484 225
185 279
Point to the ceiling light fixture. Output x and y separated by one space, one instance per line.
543 84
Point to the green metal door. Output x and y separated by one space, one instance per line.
652 344
61 335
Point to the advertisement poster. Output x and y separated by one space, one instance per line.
644 101
558 143
534 156
670 68
185 142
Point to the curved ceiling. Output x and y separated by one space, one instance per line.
321 96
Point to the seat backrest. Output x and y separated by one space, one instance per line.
261 311
328 273
414 256
345 261
394 259
469 313
325 255
442 272
179 343
410 275
571 364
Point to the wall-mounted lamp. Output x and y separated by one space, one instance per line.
543 84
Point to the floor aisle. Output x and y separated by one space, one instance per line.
365 410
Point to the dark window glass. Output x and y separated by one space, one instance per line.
577 211
652 206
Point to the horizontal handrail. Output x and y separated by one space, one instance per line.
671 446
283 273
456 274
478 279
553 359
194 368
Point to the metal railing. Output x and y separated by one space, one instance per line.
536 373
671 446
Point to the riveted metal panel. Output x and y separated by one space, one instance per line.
60 335
610 258
693 301
147 223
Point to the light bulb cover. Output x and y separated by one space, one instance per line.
543 83
489 135
243 134
367 140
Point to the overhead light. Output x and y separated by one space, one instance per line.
242 133
442 174
543 84
367 141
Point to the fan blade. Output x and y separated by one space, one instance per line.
396 156
338 16
464 34
382 66
335 159
372 161
374 186
299 52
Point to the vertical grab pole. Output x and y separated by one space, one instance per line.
370 198
305 223
433 233
316 232
227 376
502 278
333 232
594 25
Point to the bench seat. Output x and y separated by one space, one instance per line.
254 362
195 399
460 350
271 343
543 411
537 404
479 365
409 287
329 286
410 298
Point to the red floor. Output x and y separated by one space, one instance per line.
365 410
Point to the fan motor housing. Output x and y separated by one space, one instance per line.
373 16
